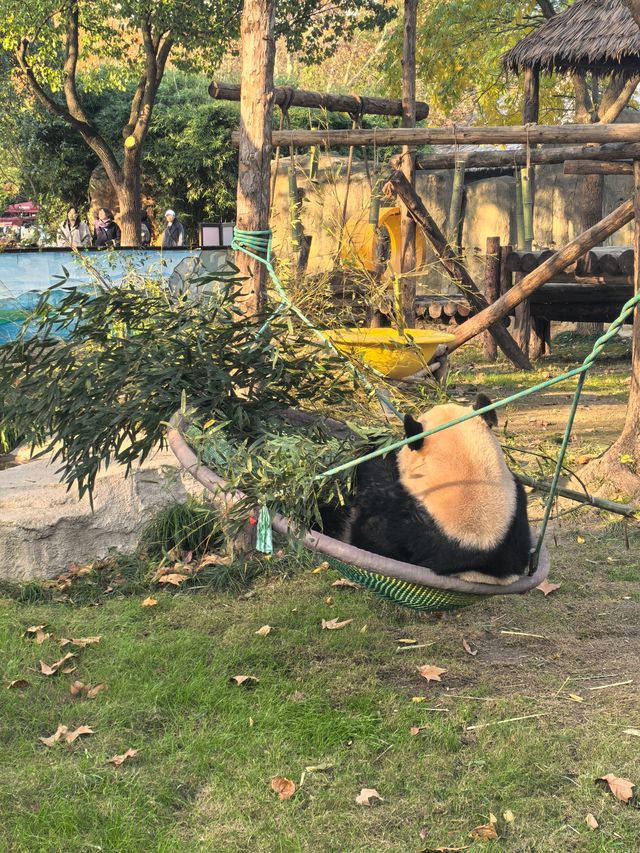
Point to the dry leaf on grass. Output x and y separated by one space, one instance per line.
45 669
547 588
78 688
580 540
345 583
619 787
469 648
508 816
415 730
266 629
487 831
117 760
82 642
283 787
334 624
175 578
444 849
575 698
18 684
216 560
63 733
321 568
368 796
149 601
405 641
36 632
591 822
245 680
431 673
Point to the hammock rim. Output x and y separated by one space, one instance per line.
342 551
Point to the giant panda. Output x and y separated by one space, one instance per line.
447 501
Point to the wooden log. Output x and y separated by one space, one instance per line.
625 262
531 282
581 293
403 189
435 310
506 276
609 264
450 309
352 104
597 167
254 159
522 325
578 312
407 222
491 290
538 336
513 260
494 159
460 135
464 309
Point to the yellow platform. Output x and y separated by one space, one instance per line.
393 354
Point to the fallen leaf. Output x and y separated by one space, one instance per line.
328 600
149 601
368 796
68 669
175 579
486 832
619 787
283 787
580 540
216 559
634 732
266 629
82 642
405 641
321 568
575 698
250 722
346 584
117 760
18 684
245 680
431 673
334 624
469 649
584 458
418 698
443 849
415 730
591 822
77 688
547 588
45 669
63 733
36 632
508 816
81 730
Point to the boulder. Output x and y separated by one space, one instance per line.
44 527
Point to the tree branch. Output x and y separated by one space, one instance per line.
584 105
616 97
546 7
157 52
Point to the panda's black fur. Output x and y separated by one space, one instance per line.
385 518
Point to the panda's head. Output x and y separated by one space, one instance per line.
439 415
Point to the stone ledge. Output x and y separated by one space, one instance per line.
44 528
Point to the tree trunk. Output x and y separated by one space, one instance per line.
129 198
407 224
254 162
593 189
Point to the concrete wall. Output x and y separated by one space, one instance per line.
489 210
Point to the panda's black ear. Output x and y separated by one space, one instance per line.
489 418
413 427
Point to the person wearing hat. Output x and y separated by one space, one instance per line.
173 234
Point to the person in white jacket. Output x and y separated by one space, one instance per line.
73 233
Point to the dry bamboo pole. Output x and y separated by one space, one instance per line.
544 273
447 258
364 105
516 134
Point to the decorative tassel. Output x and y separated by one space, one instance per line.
264 540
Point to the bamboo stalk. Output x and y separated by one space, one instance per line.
519 211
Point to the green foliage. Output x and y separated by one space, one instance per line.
186 527
129 357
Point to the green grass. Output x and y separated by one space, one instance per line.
341 698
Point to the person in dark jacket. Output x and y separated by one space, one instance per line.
146 228
173 234
73 233
107 232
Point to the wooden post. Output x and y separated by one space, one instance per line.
522 325
570 253
257 45
407 224
530 115
491 290
506 278
399 184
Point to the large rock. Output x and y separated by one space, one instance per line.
44 528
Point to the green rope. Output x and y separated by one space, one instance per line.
251 242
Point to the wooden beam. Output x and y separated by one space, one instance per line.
597 167
461 135
407 222
544 273
288 96
491 290
254 160
493 159
447 258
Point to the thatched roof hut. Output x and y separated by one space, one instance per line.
599 36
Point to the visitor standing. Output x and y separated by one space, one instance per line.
73 233
173 234
146 228
107 232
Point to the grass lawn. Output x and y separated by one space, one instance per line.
343 700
